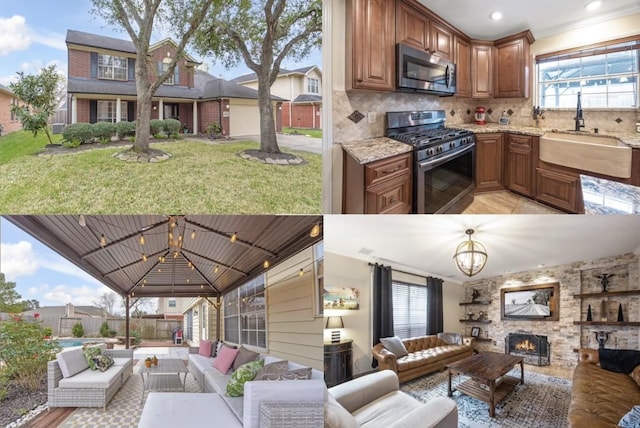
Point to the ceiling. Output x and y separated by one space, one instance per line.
199 257
542 17
426 244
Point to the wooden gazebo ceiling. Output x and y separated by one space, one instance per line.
202 260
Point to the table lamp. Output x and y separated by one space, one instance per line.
333 323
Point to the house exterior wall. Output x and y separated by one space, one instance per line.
301 115
79 63
8 125
209 112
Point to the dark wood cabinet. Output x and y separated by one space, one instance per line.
512 65
380 187
412 26
338 362
481 69
462 57
489 162
370 45
519 164
558 189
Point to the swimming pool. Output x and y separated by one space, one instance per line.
68 343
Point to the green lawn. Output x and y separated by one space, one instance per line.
199 179
22 143
315 133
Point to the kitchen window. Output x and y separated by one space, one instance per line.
606 74
409 309
113 67
107 111
245 314
313 86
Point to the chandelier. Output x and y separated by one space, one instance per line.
470 256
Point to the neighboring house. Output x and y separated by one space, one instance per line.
172 307
101 87
303 87
8 121
69 311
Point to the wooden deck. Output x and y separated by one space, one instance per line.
52 418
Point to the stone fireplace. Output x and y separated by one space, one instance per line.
535 349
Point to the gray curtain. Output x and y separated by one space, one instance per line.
382 305
434 305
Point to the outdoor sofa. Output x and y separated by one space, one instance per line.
83 387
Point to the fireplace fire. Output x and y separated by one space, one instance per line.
533 348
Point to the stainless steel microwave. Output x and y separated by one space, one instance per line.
420 71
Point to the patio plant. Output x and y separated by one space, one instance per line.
77 330
24 352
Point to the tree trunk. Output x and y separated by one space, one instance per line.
268 141
143 117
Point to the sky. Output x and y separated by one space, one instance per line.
42 274
32 36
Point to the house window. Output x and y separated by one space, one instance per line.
245 314
318 269
170 79
172 303
112 67
313 86
107 111
409 309
606 75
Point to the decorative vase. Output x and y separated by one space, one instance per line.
620 316
589 315
147 363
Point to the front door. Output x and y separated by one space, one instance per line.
171 111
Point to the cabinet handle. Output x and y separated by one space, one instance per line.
389 171
393 200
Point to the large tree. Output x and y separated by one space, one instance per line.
38 94
139 18
262 33
110 302
10 299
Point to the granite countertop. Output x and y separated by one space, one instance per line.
373 149
603 196
630 139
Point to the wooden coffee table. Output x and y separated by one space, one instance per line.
488 382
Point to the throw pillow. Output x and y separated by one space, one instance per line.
214 348
275 367
72 362
102 362
619 360
244 373
225 359
635 375
89 353
395 346
336 416
205 348
631 419
299 374
451 338
244 356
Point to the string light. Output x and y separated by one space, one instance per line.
266 264
144 257
141 239
103 240
82 221
190 264
201 286
315 231
301 272
175 254
159 270
193 235
217 269
187 280
234 237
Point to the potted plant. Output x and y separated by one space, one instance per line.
214 129
148 361
155 360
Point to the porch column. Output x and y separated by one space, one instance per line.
74 109
160 109
218 307
126 321
195 117
118 110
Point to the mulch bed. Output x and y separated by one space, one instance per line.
20 400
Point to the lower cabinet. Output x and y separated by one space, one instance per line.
489 162
519 164
557 189
337 362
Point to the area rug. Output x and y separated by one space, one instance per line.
123 411
543 401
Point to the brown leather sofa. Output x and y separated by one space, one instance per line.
599 397
427 354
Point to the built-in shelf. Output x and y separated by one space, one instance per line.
623 323
608 294
477 321
478 302
482 339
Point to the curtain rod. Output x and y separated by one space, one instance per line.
402 271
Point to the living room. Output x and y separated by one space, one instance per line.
565 284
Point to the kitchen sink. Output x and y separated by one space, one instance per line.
587 152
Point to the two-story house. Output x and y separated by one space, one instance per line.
8 121
303 87
101 87
172 307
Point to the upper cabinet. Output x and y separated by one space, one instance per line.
512 65
462 53
371 44
441 41
481 69
412 26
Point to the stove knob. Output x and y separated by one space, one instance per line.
452 145
440 149
430 152
464 141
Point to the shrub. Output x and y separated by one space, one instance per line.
156 126
214 129
125 129
77 133
172 127
104 329
48 331
77 330
134 333
103 131
24 351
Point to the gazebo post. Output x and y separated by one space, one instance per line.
218 306
126 321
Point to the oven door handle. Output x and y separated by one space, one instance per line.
432 163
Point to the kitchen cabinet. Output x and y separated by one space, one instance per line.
462 54
489 162
370 45
481 69
441 41
412 26
558 189
380 187
519 164
512 65
338 362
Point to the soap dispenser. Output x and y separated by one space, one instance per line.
504 119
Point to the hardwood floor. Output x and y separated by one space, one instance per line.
51 418
505 202
561 372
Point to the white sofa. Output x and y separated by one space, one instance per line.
375 400
84 387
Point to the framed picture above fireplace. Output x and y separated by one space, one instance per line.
539 302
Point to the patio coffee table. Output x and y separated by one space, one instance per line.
163 377
489 382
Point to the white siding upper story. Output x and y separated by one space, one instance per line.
290 86
172 305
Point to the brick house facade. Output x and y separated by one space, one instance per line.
101 87
8 121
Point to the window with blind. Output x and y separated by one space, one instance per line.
606 74
245 314
409 309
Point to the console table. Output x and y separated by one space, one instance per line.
337 362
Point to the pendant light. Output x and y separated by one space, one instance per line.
470 256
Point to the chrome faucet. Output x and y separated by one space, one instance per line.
579 119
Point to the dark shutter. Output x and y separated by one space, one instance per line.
93 111
132 69
94 64
159 68
131 112
176 75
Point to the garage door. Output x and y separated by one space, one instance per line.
244 117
